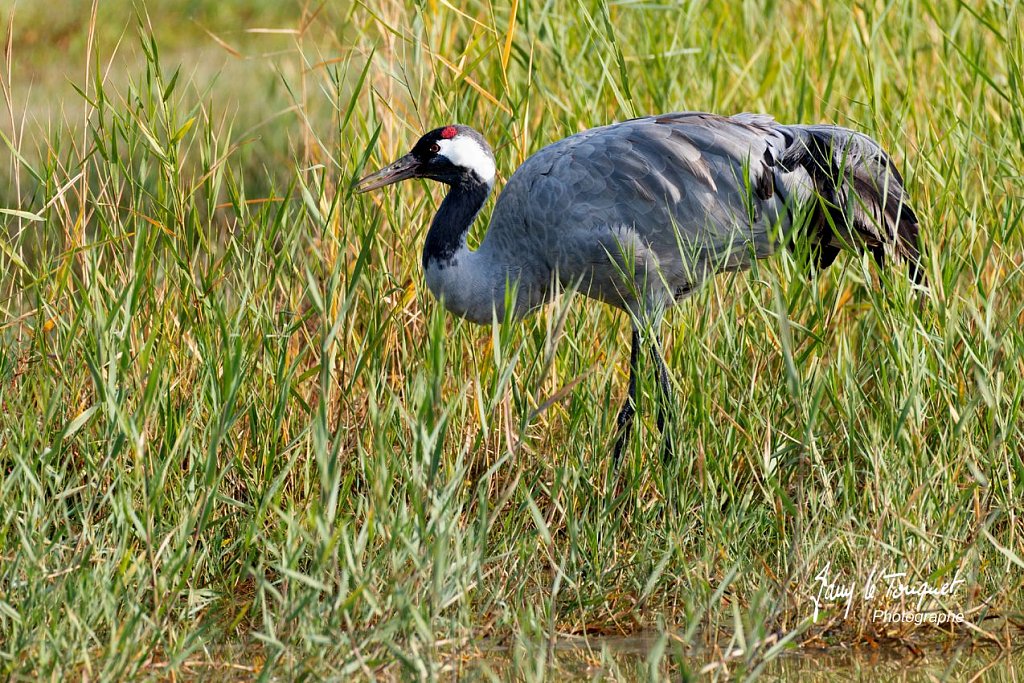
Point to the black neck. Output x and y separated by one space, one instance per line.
456 213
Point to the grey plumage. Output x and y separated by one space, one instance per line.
670 200
639 214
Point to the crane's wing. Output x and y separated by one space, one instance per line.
683 195
689 194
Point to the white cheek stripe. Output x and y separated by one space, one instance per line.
465 152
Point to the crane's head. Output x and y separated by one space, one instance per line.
452 154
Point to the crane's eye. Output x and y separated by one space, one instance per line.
435 148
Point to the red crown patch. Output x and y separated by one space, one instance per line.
448 132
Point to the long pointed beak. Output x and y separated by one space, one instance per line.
406 167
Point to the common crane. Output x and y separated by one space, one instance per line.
641 213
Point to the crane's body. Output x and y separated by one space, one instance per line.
639 214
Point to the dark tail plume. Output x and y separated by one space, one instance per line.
862 201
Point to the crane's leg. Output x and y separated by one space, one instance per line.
625 419
665 405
